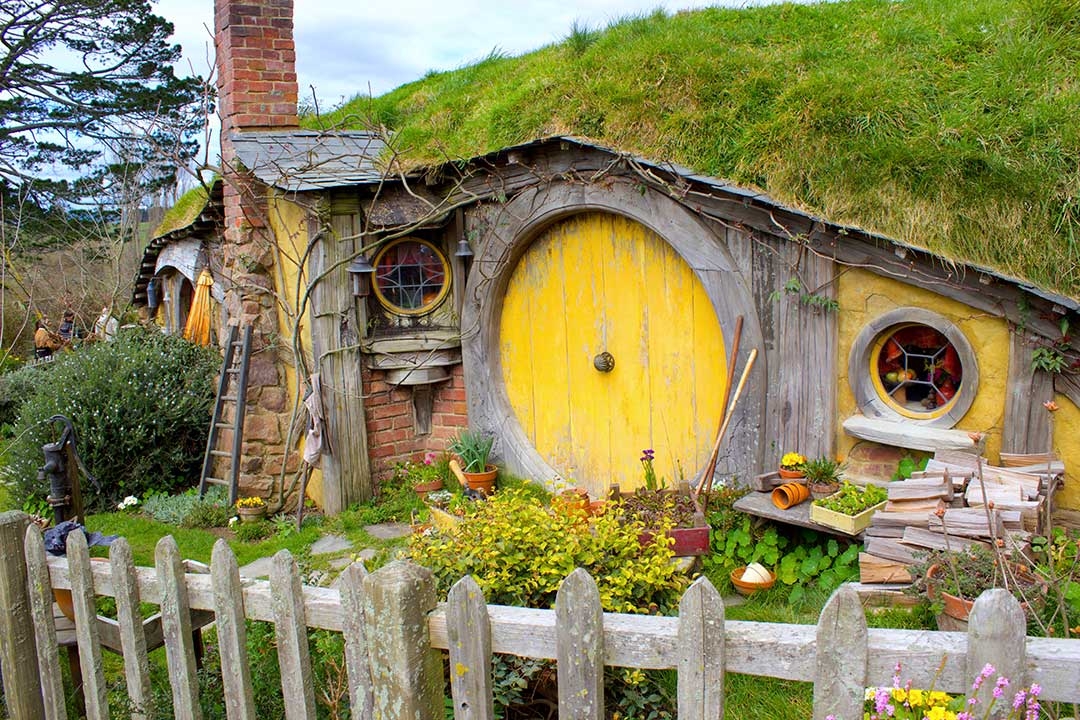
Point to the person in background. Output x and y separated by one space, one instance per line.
45 341
106 325
66 331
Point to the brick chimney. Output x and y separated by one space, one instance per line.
257 91
256 60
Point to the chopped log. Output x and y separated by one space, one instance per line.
922 489
884 531
885 518
767 481
1014 460
970 522
873 569
918 537
890 549
960 459
909 507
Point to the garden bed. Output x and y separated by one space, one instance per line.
690 532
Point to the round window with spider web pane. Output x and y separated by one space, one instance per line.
917 370
411 276
913 364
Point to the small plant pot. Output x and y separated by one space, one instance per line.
251 514
789 495
597 507
482 481
749 588
572 503
791 474
422 489
955 609
823 490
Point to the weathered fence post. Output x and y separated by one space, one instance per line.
579 643
176 628
997 634
356 647
232 633
95 691
842 654
701 653
18 650
406 672
41 604
290 630
469 631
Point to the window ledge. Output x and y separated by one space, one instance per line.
911 435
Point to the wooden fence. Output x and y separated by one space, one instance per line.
394 632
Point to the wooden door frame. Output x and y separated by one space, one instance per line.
502 234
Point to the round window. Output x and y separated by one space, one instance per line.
916 370
913 364
411 276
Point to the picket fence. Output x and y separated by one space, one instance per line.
395 632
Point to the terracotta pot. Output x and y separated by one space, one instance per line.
572 503
251 514
65 603
956 609
597 507
483 481
791 474
789 495
422 489
821 490
749 588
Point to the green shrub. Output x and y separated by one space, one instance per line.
255 531
187 510
17 386
141 409
519 551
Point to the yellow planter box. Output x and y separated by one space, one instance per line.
850 524
443 520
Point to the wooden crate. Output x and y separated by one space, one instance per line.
850 524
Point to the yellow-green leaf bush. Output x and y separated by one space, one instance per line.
519 550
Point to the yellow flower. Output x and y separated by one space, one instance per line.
899 694
250 502
915 697
792 461
939 698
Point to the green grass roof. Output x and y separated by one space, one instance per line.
950 125
184 212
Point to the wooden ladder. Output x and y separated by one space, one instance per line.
232 388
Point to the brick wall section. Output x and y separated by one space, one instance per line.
256 64
257 90
391 426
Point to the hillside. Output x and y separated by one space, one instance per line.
954 126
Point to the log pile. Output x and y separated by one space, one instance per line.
946 507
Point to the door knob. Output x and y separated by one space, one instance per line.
604 362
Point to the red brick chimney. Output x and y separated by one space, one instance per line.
256 60
257 91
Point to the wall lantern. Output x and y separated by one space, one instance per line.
360 269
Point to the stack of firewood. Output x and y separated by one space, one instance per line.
947 507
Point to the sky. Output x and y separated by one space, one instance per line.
344 48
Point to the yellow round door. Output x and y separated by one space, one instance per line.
609 346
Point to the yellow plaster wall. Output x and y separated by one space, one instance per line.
288 225
1067 446
864 295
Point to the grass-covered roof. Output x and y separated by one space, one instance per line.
953 126
186 210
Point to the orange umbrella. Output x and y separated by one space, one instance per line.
197 329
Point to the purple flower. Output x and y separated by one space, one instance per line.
1018 699
999 686
647 454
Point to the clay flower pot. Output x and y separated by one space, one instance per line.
422 489
482 481
789 495
821 490
251 514
749 588
790 474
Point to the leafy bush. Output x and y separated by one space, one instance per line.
17 386
140 406
519 551
186 510
255 531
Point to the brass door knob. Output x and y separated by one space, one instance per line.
604 362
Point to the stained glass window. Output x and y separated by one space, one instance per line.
411 276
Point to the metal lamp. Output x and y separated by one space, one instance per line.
361 269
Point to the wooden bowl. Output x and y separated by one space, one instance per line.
749 588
